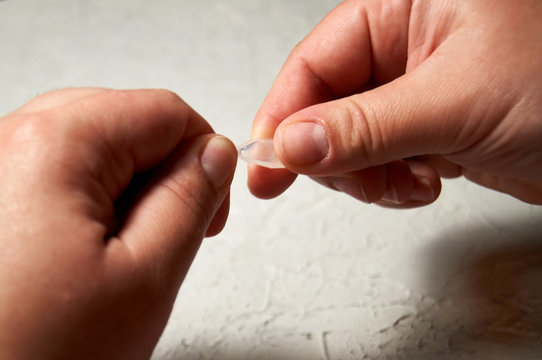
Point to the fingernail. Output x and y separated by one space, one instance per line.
304 143
391 195
218 160
351 187
422 191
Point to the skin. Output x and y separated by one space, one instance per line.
110 193
108 197
405 93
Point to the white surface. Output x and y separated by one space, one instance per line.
312 274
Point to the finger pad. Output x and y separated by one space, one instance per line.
268 183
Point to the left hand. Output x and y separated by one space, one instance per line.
104 199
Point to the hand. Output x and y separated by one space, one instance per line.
105 197
383 98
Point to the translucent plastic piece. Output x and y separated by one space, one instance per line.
260 152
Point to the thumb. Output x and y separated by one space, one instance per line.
166 225
418 113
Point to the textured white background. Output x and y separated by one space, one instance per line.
312 274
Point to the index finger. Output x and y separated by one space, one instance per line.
117 132
355 45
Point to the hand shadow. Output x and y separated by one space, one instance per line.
487 285
480 298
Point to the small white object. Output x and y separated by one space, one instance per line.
260 152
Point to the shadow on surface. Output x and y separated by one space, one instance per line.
486 283
480 297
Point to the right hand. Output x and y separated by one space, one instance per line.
383 98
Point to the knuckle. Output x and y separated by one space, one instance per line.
32 145
195 200
363 132
168 95
33 129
